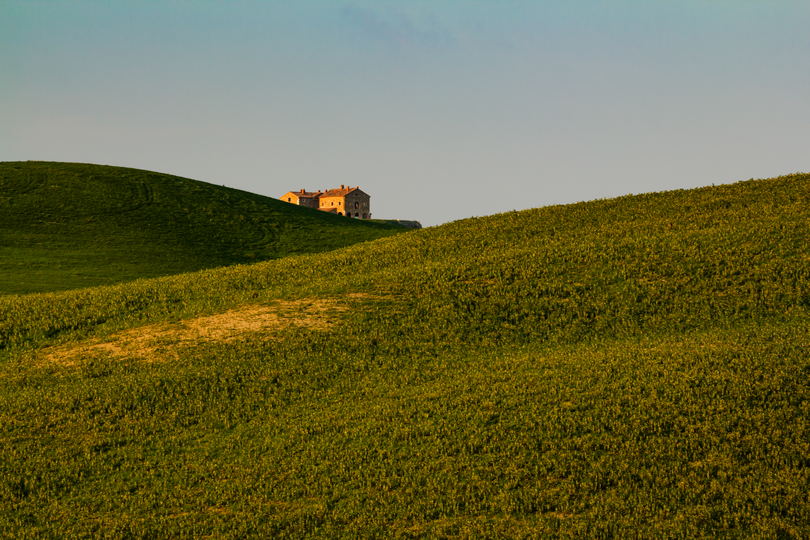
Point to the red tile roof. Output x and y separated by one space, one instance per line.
339 192
304 194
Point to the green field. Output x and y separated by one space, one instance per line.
72 225
632 367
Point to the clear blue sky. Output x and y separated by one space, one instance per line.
440 109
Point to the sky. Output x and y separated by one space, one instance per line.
439 109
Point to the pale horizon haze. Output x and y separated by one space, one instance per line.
439 109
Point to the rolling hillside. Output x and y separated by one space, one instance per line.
71 225
633 367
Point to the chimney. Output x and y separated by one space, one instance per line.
342 186
302 190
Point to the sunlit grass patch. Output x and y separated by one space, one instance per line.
167 340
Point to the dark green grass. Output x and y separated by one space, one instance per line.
72 225
634 367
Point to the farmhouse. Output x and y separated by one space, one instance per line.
344 201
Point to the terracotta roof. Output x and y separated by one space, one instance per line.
339 192
303 193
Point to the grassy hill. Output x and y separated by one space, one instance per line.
633 367
71 225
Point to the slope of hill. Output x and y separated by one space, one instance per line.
634 367
71 225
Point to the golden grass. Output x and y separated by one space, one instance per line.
163 341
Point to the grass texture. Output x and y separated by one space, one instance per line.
632 367
73 225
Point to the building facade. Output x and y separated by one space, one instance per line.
302 198
345 201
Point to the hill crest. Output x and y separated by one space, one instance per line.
72 225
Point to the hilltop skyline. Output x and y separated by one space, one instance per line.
439 110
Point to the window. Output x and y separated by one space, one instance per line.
289 199
356 204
